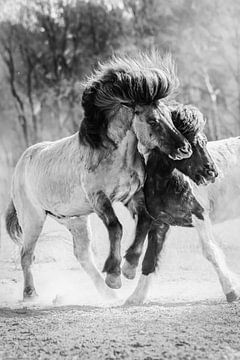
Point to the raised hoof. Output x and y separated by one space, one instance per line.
128 270
113 281
29 294
232 296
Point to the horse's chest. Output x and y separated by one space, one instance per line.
119 176
172 202
130 175
127 184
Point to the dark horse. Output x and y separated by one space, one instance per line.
86 172
169 198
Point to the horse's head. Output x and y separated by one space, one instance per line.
200 167
153 127
138 85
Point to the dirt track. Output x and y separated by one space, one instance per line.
205 330
187 317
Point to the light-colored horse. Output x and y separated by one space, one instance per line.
220 202
87 171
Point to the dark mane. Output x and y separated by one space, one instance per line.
123 81
188 120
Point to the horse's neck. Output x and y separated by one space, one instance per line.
144 151
123 143
160 168
129 150
120 131
119 125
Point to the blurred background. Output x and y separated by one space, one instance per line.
47 47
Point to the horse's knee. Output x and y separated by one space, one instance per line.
210 256
104 209
83 260
210 252
81 249
148 267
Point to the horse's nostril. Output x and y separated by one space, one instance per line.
211 173
210 169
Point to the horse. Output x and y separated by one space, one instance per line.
173 199
85 172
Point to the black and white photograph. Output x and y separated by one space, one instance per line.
119 179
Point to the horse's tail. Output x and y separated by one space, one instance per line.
12 225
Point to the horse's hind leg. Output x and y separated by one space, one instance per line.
31 223
156 239
215 255
82 251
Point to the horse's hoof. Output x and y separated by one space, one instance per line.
29 294
134 301
108 294
58 300
113 281
128 270
232 296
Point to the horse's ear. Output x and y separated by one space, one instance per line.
176 110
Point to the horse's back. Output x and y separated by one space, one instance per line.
49 174
222 198
225 152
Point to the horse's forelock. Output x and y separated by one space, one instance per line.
188 120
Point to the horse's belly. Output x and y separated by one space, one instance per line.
224 200
62 199
76 207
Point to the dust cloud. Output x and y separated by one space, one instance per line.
183 275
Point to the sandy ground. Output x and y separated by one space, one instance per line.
204 330
186 316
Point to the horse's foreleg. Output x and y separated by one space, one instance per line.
82 251
103 208
215 255
143 224
156 239
31 225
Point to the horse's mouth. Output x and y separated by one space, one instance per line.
175 157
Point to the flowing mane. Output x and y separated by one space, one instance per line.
123 81
188 120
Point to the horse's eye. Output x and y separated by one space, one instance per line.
137 112
153 121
